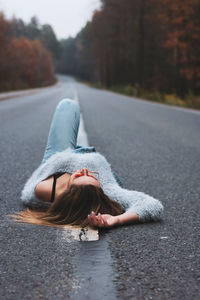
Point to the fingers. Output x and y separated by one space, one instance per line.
100 220
96 221
93 221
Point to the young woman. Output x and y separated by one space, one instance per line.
75 185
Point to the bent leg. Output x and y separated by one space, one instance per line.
64 128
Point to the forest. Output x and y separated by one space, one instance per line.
144 48
26 54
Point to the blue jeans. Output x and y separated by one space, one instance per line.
64 130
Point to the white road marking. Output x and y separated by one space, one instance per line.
81 234
88 233
82 138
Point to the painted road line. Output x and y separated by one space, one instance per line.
92 263
88 233
82 138
93 274
80 234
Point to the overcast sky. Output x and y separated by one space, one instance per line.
66 17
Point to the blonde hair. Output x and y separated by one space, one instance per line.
71 208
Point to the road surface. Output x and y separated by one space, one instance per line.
153 148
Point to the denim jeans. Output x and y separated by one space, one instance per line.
64 130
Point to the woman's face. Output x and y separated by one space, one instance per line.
82 177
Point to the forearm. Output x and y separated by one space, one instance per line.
127 217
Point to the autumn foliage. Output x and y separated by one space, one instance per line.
180 25
24 63
149 44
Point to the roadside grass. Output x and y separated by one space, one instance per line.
189 101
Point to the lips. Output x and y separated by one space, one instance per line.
78 175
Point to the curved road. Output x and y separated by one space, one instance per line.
153 148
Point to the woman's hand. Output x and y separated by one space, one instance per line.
109 220
104 220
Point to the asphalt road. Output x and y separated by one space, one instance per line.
153 148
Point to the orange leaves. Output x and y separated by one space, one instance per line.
187 73
23 62
30 60
180 25
179 20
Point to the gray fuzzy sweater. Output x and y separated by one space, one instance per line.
147 207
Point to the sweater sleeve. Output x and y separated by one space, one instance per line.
147 207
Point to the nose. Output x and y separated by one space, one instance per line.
85 171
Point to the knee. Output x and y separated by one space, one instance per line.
66 103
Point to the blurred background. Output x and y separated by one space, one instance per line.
143 48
